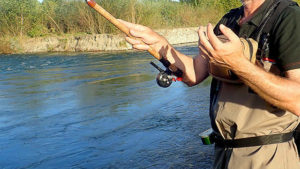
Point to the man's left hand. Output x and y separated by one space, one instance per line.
229 53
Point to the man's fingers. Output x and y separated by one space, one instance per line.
143 33
133 26
203 40
133 41
144 36
141 47
228 33
128 24
137 44
213 39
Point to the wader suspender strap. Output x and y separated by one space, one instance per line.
268 19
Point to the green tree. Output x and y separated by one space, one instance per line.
18 17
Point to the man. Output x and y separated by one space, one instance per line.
253 121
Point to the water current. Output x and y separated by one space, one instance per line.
98 110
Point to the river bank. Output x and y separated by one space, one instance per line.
89 43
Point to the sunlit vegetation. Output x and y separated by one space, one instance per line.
30 18
56 17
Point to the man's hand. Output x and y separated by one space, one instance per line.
143 37
229 53
194 70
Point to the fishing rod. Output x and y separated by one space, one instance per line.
164 77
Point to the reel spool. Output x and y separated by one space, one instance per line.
165 77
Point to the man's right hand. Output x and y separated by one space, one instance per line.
143 38
194 70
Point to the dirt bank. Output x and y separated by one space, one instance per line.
90 43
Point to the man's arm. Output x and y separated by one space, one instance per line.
194 69
282 92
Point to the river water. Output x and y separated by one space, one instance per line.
98 110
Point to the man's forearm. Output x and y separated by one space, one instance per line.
281 92
194 69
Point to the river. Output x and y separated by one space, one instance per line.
98 110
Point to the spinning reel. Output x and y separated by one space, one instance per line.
165 77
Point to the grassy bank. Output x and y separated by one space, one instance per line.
33 19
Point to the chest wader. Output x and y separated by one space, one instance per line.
242 118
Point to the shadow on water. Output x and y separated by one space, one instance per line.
98 111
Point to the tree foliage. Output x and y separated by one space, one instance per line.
18 17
